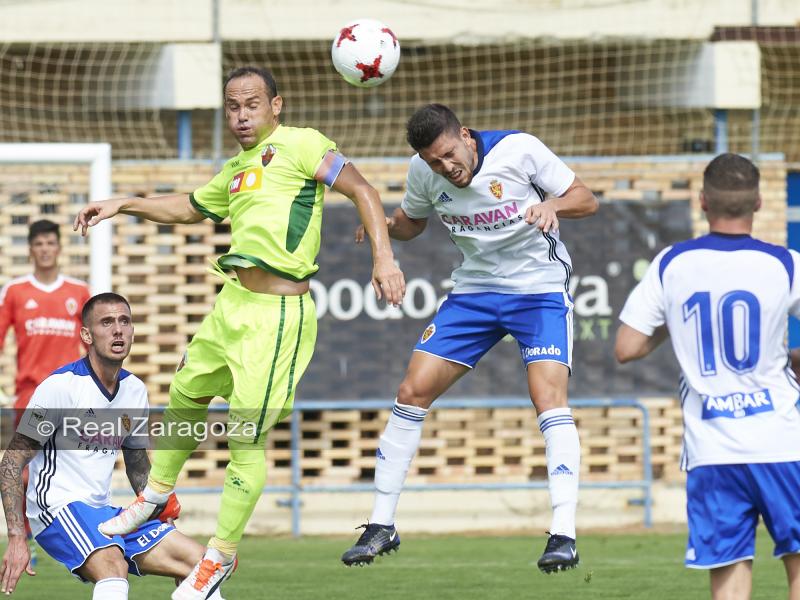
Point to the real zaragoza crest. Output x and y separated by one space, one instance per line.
496 188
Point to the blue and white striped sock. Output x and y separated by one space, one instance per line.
396 449
563 451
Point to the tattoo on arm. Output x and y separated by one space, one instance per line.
19 453
137 467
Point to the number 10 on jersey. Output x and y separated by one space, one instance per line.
738 315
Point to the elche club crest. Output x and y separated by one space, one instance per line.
72 306
496 188
428 333
267 154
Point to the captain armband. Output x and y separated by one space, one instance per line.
330 167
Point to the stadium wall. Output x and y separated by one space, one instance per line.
193 20
163 271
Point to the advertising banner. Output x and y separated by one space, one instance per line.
363 346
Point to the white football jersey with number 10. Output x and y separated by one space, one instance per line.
725 300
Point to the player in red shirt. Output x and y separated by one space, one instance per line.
44 309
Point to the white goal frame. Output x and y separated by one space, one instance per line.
98 157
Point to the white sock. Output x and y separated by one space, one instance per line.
152 496
397 447
563 451
113 588
216 556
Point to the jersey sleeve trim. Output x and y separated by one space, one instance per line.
31 423
412 215
639 326
203 210
560 192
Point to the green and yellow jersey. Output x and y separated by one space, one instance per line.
273 196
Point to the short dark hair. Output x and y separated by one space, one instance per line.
264 74
102 298
730 186
42 227
428 123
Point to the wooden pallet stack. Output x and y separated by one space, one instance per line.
459 445
163 271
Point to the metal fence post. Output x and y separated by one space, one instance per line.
647 465
296 483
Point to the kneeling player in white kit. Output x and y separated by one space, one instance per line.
488 188
724 300
77 421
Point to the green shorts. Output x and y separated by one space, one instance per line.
251 350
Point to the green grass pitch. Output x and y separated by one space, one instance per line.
644 566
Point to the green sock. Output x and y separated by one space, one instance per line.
244 480
182 430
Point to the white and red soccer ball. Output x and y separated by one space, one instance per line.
365 52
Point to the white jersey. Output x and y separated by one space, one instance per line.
486 220
725 300
81 427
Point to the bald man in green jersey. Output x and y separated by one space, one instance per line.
258 340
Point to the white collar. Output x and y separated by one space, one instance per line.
46 287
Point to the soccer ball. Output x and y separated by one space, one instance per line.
365 52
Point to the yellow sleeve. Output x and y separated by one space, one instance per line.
312 152
212 199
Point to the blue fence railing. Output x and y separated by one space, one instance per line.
296 489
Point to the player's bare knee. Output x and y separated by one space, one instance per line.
409 393
548 390
549 397
104 563
544 405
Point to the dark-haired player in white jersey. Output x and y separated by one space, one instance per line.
78 420
724 299
488 188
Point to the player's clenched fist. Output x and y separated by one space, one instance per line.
542 216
